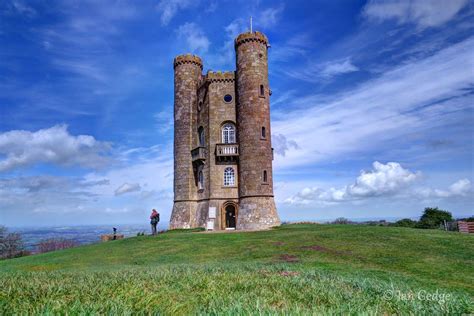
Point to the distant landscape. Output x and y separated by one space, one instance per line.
81 234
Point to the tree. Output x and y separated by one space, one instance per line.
406 222
341 220
11 244
433 217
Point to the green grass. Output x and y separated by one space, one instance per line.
297 269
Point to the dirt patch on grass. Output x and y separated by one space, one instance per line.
278 243
288 258
289 273
327 250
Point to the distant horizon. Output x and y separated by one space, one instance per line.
166 223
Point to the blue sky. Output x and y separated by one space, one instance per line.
372 105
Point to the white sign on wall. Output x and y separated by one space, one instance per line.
210 224
212 212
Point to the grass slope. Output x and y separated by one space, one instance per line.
291 269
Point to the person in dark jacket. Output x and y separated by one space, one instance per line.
154 219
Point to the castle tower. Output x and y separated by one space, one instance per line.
187 75
256 203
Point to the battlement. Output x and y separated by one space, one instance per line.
219 76
251 37
187 59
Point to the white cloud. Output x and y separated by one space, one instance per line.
409 98
338 67
323 71
23 8
281 145
164 121
269 17
127 188
424 13
194 36
383 180
169 8
459 188
52 145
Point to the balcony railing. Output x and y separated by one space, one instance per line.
227 150
199 154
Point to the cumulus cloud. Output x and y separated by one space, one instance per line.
169 8
425 13
383 180
52 145
127 188
459 188
194 36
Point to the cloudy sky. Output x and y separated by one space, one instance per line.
372 105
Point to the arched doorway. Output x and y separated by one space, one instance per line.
229 215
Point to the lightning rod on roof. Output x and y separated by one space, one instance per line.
250 24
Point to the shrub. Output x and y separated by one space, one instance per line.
11 245
433 217
406 222
54 244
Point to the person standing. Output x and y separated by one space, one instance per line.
154 219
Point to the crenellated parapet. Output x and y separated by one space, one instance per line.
187 59
251 37
219 76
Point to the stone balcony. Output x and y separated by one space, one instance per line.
227 151
199 154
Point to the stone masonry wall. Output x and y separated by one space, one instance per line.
257 207
187 74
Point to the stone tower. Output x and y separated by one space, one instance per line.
257 206
223 156
187 74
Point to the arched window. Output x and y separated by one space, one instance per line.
229 177
265 178
262 90
228 133
264 132
202 140
201 180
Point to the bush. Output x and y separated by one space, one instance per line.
406 222
54 244
11 245
433 217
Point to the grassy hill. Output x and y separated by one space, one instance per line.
294 268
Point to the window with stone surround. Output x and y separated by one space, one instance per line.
262 91
227 98
265 177
229 177
201 180
264 133
202 140
228 133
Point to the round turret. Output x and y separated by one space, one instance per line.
257 206
187 75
